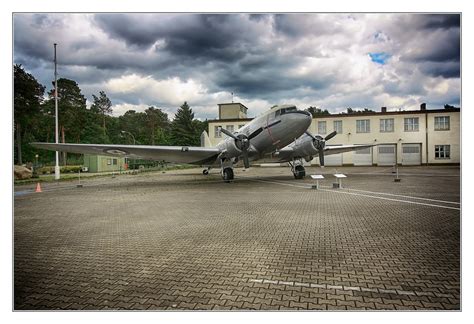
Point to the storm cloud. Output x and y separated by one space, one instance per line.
324 60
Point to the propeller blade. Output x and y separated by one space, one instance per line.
327 138
310 135
245 157
225 131
255 133
321 158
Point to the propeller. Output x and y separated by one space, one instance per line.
320 143
242 142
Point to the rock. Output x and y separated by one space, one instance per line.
22 173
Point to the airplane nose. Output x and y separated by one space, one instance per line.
307 118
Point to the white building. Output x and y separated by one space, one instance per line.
405 137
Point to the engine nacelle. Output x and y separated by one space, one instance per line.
231 150
304 147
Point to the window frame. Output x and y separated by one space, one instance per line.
383 121
320 123
366 123
334 126
410 127
446 123
217 131
443 149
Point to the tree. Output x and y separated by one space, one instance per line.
317 111
447 106
28 95
183 130
199 127
133 123
155 119
71 111
351 111
103 106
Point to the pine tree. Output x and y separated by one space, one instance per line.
28 94
155 120
102 105
183 131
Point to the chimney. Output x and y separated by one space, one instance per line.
384 109
423 107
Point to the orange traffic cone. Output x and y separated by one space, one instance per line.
38 187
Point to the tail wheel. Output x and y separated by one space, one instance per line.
299 172
205 171
228 174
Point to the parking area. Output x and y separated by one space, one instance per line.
183 241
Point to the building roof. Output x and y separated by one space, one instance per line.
403 112
232 103
345 115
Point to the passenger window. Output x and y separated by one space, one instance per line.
277 113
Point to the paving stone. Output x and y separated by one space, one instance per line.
135 243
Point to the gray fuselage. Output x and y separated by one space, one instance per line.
281 125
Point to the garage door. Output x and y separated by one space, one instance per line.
334 159
362 157
387 154
411 154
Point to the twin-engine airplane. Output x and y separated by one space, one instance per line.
277 135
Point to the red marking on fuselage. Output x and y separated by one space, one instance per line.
274 142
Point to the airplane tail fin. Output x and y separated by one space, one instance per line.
205 141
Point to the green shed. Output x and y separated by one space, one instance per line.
101 163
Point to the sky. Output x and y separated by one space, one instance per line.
330 61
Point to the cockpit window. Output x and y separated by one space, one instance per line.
284 111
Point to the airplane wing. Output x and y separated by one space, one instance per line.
177 154
288 153
329 150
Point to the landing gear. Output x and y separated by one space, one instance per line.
228 174
299 172
227 170
298 169
205 171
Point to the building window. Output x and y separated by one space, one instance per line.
386 125
321 127
114 161
412 124
441 123
338 126
363 151
109 161
217 131
411 149
442 152
230 128
363 126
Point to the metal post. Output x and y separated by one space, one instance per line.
397 179
56 168
79 185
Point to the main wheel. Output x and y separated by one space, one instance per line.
205 171
299 172
228 174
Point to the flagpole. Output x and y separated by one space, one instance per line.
56 168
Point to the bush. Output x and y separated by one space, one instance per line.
63 169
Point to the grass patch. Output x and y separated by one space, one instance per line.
75 176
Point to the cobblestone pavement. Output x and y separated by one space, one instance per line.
183 241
